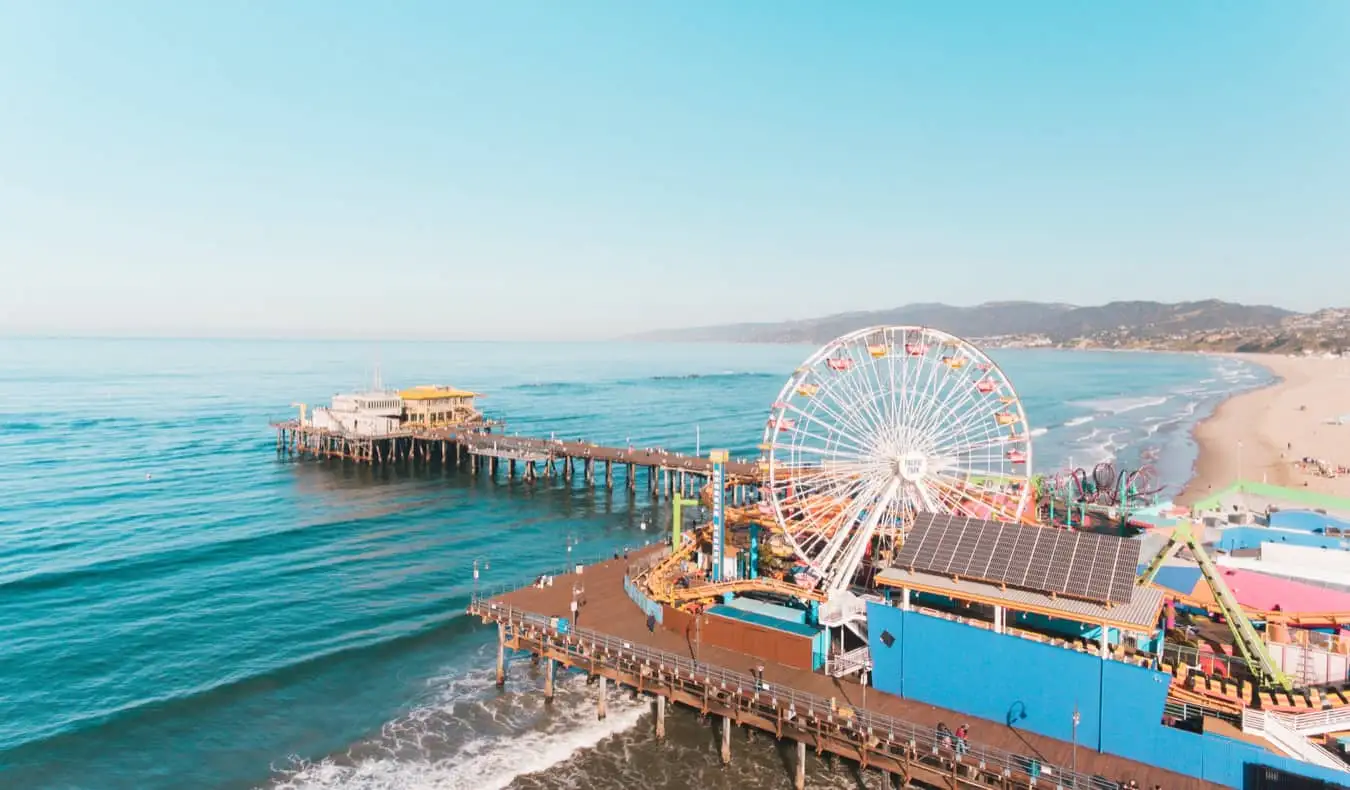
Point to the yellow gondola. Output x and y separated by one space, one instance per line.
955 363
878 351
1005 418
1007 400
808 390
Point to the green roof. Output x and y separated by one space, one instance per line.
1296 496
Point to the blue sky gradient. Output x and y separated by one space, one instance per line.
578 170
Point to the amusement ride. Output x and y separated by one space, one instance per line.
879 425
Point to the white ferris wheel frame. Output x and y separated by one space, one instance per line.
887 442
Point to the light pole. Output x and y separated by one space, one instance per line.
1076 720
571 540
487 566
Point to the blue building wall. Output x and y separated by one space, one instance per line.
1035 687
996 677
1305 521
1235 538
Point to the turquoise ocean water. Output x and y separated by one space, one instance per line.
180 609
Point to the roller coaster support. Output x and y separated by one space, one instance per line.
1248 641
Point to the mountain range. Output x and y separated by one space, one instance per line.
1210 323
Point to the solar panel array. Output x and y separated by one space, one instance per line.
1099 568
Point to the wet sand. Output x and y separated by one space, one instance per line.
1259 435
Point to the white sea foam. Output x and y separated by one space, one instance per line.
412 752
1038 432
1076 421
1122 405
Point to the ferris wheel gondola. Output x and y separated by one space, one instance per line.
885 423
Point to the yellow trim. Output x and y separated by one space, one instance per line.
1019 606
428 392
719 456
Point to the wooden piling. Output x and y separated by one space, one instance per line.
800 782
660 716
600 698
501 654
726 740
548 681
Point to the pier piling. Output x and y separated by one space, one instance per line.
501 655
600 698
726 740
800 782
660 716
548 681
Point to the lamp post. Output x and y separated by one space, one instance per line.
487 566
571 541
1076 719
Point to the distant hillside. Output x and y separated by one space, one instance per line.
1051 323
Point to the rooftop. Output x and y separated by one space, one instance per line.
430 392
1140 614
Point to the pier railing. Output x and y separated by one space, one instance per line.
868 725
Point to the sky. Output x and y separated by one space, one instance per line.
520 170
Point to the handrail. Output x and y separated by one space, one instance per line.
863 721
1280 734
1317 722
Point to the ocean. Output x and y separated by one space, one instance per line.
181 609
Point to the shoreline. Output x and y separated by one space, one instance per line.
1259 434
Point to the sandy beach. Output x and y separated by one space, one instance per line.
1260 435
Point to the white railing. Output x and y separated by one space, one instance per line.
855 660
843 607
1318 722
1272 728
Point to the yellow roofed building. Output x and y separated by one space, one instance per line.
439 407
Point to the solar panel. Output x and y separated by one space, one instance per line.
1061 563
1098 568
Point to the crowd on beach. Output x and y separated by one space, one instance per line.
1321 467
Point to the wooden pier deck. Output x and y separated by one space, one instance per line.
482 450
611 639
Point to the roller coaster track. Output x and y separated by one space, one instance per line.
685 594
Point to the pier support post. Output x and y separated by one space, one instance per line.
600 698
609 474
501 654
800 781
548 681
631 478
660 716
726 740
511 470
588 469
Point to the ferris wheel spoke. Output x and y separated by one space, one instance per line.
853 436
951 401
844 535
844 416
984 418
860 384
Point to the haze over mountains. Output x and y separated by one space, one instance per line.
1210 324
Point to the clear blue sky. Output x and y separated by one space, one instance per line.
583 169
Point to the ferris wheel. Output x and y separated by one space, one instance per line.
884 423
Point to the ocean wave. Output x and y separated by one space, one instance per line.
507 737
227 688
1038 432
1076 421
1123 405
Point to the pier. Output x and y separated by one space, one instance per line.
480 451
614 639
